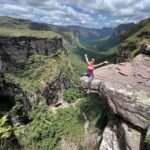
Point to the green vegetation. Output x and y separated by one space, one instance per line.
38 71
10 32
47 129
133 39
147 139
5 129
109 55
72 94
136 29
106 43
6 135
95 110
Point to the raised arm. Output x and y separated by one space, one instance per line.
86 58
101 64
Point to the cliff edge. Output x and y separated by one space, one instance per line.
125 88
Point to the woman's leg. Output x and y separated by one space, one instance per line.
89 83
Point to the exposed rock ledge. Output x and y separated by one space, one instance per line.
126 89
16 50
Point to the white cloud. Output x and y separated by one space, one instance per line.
91 13
101 17
120 8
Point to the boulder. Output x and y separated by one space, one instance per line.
126 89
118 135
129 138
109 138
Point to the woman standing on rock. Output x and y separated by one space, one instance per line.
90 70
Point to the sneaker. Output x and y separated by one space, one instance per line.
88 91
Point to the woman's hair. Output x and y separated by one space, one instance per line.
93 59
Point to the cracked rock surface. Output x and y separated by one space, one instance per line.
126 89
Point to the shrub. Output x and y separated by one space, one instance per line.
47 128
72 94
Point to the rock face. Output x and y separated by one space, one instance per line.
11 95
118 135
14 53
145 34
125 87
17 50
124 51
146 49
136 43
126 90
109 139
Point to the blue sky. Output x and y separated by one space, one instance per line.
87 13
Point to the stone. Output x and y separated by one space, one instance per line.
129 138
126 89
148 138
119 135
109 138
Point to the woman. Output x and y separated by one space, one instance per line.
90 70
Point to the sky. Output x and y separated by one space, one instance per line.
87 13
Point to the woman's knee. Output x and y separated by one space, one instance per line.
90 79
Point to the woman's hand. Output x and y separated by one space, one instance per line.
87 60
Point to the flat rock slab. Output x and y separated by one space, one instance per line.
126 88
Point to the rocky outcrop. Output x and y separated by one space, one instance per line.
14 100
124 50
16 50
54 91
14 58
136 42
119 135
109 138
125 88
145 48
144 34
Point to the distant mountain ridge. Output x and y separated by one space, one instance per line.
89 35
85 35
112 40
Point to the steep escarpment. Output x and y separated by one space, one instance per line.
35 72
135 41
36 69
17 50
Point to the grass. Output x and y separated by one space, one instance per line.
10 32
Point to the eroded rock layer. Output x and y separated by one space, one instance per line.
126 89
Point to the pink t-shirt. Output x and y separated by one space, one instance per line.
90 69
